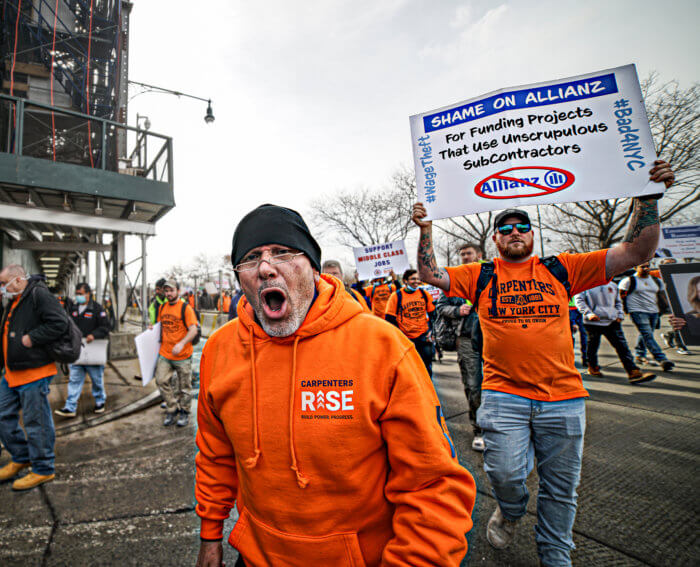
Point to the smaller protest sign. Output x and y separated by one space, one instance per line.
378 260
681 241
683 287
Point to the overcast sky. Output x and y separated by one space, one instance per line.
311 97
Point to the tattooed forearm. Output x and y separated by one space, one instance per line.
645 213
427 264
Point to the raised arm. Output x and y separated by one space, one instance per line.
642 236
428 269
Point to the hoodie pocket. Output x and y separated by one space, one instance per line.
263 546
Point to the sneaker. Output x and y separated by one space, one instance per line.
499 531
638 377
683 351
31 480
11 470
478 444
594 371
668 339
99 408
170 418
640 360
667 365
184 419
65 412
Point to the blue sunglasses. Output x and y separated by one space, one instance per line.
521 227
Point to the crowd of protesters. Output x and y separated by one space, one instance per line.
311 361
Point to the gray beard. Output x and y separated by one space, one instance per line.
281 328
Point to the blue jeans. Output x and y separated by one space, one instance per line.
576 321
517 430
76 381
646 323
425 350
36 447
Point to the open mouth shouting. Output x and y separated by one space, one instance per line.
274 302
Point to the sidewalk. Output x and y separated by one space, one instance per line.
125 395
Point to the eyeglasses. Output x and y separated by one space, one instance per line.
279 258
522 228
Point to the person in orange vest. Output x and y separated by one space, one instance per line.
378 293
412 310
307 393
224 302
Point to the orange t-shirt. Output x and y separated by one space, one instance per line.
528 349
174 330
227 304
20 377
379 298
413 319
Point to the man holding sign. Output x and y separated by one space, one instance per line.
533 397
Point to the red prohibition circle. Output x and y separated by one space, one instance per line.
543 189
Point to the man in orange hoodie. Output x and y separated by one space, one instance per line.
320 423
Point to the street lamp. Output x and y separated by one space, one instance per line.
208 117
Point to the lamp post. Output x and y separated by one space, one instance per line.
208 117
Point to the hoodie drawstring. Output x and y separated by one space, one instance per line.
302 481
250 462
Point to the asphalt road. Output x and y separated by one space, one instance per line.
124 490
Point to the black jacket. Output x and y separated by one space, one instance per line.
449 307
38 314
93 321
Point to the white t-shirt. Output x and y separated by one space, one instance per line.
643 299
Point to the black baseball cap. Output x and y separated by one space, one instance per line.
522 215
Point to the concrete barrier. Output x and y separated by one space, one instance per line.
211 321
121 345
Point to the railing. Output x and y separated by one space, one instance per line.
47 132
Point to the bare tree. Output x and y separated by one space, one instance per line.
364 217
673 116
470 228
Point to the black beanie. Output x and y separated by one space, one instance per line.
270 224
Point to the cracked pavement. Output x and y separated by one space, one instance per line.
124 490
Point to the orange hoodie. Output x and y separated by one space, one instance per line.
331 442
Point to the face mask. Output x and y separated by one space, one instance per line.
410 289
9 294
80 299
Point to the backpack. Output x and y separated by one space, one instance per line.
445 333
487 273
198 336
662 302
66 348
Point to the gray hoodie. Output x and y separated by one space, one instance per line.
603 301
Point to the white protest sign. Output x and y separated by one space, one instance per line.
576 139
378 260
147 347
681 241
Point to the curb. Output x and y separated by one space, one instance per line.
141 404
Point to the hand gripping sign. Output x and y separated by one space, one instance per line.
577 139
378 260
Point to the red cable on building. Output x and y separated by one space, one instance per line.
87 86
51 78
12 71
